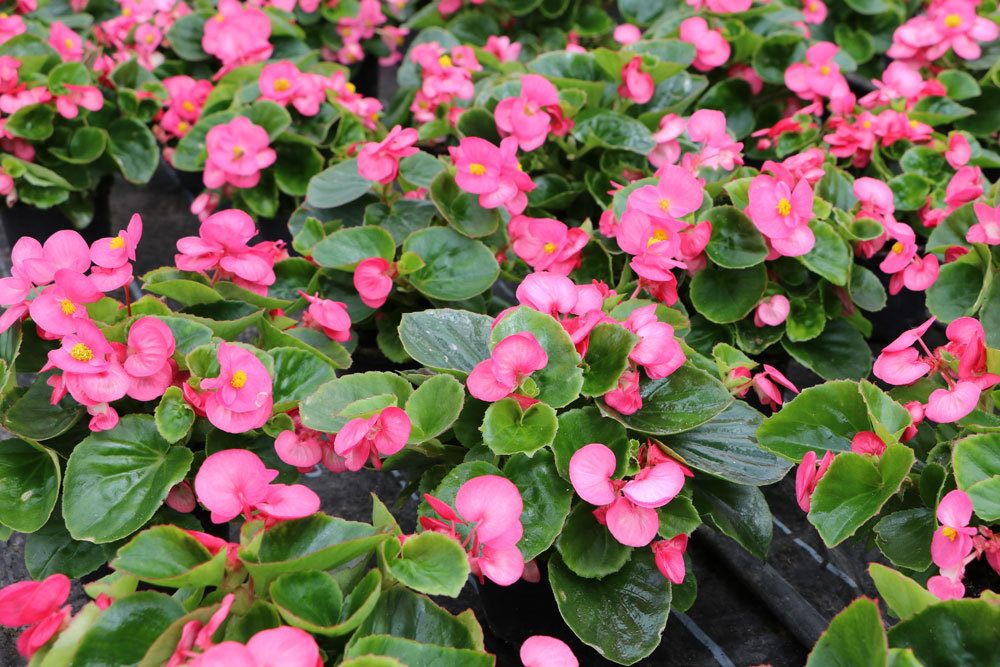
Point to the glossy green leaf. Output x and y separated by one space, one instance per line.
831 256
400 651
611 130
582 426
903 596
855 637
133 147
735 241
51 549
126 630
904 537
958 290
462 209
446 339
337 185
116 480
431 563
588 548
346 247
728 295
29 484
404 614
33 416
297 374
507 429
607 358
954 632
168 556
741 512
456 267
839 352
174 415
434 406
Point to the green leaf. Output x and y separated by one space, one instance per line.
959 289
839 352
686 398
903 596
185 37
806 319
334 404
456 267
741 512
168 556
728 295
374 651
905 537
938 111
546 499
407 615
125 631
309 600
976 461
854 489
295 167
85 146
434 407
29 484
269 115
462 209
420 169
316 342
187 289
317 542
559 383
337 185
134 149
775 55
33 416
954 632
174 416
117 479
726 447
509 430
831 256
32 122
63 649
608 129
866 289
582 426
889 418
855 637
588 548
345 248
431 563
446 340
51 549
188 334
621 615
606 358
735 242
297 374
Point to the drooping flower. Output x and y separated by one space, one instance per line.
636 85
657 351
867 442
222 245
952 541
899 363
39 605
239 399
544 651
987 228
236 153
669 557
362 440
512 361
379 161
711 48
807 476
327 316
373 280
772 311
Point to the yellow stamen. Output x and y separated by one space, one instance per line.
81 352
183 127
664 204
813 7
784 207
549 247
949 532
238 152
68 42
824 70
219 18
126 12
149 39
445 61
67 306
867 124
281 85
116 243
188 106
914 124
238 380
952 21
350 87
477 169
897 247
658 235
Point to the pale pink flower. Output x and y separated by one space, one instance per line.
239 399
711 48
512 361
237 35
501 47
959 151
237 152
362 440
543 651
772 311
952 541
532 115
379 161
373 280
67 43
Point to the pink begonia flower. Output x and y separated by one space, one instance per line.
501 47
546 244
945 406
147 359
772 311
186 99
626 34
116 251
677 194
899 363
965 186
67 43
657 351
327 316
512 360
947 585
239 398
60 308
765 385
533 114
221 245
10 27
814 11
491 507
900 80
867 442
951 24
198 635
668 148
718 150
237 35
711 48
952 541
967 343
782 214
819 77
807 476
284 84
301 452
373 280
625 398
362 440
875 197
283 646
636 85
959 151
237 151
627 508
549 293
544 651
379 161
39 605
669 557
987 229
492 173
88 97
65 249
181 498
721 6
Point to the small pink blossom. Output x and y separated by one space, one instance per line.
772 311
636 85
546 244
222 245
987 228
658 350
543 651
327 316
952 541
959 152
711 48
379 161
39 605
512 361
669 557
239 398
362 440
237 35
807 476
67 43
237 152
625 398
533 115
492 173
373 280
867 442
782 214
819 77
501 47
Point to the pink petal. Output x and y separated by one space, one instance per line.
492 502
955 509
945 589
631 525
284 647
394 431
28 602
484 385
949 405
656 486
502 566
300 453
230 481
900 368
543 651
289 501
590 471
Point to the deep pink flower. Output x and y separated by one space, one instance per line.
669 556
67 43
237 35
237 151
819 77
772 311
711 48
283 646
657 351
814 11
239 398
221 244
987 229
181 498
373 280
39 605
532 115
513 360
543 651
636 85
10 27
625 398
88 97
327 316
867 442
952 541
379 161
501 47
546 244
492 173
382 434
807 476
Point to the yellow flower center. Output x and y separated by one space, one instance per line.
477 169
658 235
67 306
784 207
549 247
897 247
188 106
350 87
664 204
953 20
126 12
238 380
238 152
813 7
867 124
149 39
914 124
824 70
949 532
116 243
219 18
68 42
81 352
183 127
445 61
281 85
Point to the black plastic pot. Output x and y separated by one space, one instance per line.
902 311
22 220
